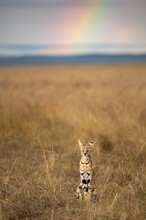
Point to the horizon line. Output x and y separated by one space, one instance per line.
30 49
72 55
104 44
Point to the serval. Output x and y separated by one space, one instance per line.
86 191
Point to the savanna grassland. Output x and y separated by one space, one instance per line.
43 112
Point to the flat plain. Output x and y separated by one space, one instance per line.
43 113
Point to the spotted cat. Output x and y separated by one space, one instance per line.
86 190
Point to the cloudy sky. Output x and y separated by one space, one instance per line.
58 27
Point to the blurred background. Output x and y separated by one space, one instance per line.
66 27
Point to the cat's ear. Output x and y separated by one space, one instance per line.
91 145
80 144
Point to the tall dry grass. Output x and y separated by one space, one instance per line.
43 111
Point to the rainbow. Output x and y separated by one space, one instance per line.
77 27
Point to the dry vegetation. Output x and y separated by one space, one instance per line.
43 111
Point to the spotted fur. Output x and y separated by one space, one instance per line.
86 190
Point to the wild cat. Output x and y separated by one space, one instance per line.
86 191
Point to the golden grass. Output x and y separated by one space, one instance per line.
43 111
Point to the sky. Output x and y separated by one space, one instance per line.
62 27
